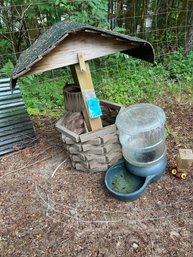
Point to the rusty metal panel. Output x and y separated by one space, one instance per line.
16 129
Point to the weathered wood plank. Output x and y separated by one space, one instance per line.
72 149
100 158
109 137
112 105
100 149
99 133
67 132
86 119
68 141
82 156
77 147
83 166
76 158
85 81
65 53
80 167
95 142
88 147
95 165
99 167
81 62
110 147
114 155
96 150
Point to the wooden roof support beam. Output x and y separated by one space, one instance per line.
74 75
85 81
81 62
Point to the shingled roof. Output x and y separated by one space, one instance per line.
61 30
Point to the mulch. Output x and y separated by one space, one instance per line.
49 209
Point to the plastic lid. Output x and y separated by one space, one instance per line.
140 118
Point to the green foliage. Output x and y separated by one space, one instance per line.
7 69
42 97
182 67
92 12
127 80
39 15
119 29
5 43
117 78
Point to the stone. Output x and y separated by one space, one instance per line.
135 245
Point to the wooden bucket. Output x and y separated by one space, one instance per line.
73 99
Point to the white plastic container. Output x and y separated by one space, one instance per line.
142 134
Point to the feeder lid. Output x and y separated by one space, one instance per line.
139 118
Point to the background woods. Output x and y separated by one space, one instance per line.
168 25
48 208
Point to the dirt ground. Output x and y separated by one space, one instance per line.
50 209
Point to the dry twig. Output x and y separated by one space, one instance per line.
27 166
58 167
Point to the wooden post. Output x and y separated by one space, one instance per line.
85 82
85 114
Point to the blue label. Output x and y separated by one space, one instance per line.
94 108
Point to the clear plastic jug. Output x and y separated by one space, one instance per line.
142 134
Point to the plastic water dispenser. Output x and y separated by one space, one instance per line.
142 136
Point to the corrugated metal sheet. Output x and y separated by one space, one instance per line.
16 129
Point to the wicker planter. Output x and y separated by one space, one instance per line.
97 150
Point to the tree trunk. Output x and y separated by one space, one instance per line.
119 13
189 38
111 16
9 26
144 9
130 17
